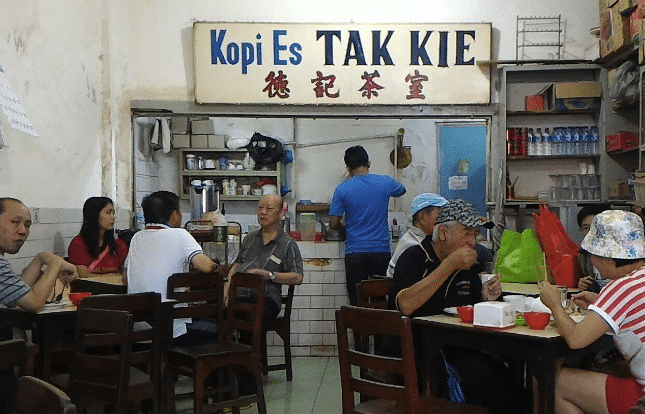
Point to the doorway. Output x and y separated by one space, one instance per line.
462 161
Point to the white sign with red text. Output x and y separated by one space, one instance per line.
342 64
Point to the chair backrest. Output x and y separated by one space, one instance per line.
97 288
36 396
244 313
16 353
144 307
287 301
372 293
370 322
100 369
198 295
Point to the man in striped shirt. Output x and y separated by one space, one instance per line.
31 288
615 239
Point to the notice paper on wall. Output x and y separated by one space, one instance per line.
12 107
458 182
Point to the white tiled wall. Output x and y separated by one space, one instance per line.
313 330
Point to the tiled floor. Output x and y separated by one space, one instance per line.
315 389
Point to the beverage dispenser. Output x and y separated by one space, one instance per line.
203 198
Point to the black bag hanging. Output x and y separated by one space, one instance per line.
265 150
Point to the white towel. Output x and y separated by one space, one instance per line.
165 135
154 138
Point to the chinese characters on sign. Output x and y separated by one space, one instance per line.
301 64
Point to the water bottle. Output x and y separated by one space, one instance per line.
585 138
577 146
531 143
561 148
539 149
568 141
546 143
595 138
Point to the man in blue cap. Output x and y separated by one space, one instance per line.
425 209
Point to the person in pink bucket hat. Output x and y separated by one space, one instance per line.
615 239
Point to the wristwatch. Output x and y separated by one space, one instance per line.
271 275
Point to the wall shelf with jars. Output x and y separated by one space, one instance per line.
233 171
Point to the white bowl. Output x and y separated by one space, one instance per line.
269 189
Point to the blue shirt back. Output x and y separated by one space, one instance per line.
364 200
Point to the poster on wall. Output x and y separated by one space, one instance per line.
336 64
12 107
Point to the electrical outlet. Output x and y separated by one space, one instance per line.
35 216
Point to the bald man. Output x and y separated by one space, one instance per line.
271 253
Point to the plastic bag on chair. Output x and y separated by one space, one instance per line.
520 258
561 251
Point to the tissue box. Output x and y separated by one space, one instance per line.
494 314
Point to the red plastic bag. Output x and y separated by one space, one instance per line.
561 252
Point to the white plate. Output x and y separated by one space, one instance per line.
451 311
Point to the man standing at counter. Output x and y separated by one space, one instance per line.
439 273
363 199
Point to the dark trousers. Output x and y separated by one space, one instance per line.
362 266
486 381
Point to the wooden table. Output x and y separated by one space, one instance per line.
47 327
539 350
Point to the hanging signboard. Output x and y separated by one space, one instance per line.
336 64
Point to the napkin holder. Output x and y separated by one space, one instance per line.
494 314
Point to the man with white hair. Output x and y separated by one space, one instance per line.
440 273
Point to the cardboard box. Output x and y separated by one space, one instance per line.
571 96
217 141
635 19
621 141
534 103
641 46
180 141
179 125
201 127
615 32
199 141
626 6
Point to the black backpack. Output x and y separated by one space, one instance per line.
265 150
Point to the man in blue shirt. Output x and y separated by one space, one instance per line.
363 199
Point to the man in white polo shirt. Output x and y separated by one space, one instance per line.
162 249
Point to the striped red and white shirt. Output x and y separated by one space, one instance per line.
622 305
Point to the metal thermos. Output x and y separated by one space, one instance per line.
203 198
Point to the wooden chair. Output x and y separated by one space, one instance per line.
373 293
389 398
145 371
97 288
36 396
281 326
16 353
100 369
243 317
200 297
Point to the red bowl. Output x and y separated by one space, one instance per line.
537 320
466 313
75 297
